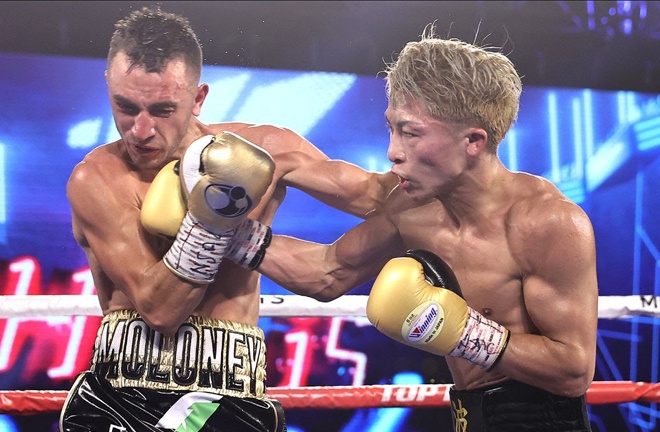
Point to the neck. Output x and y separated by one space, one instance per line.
478 193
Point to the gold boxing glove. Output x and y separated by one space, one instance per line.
164 205
223 178
417 301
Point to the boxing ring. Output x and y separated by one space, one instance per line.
30 402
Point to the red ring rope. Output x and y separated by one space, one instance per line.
29 402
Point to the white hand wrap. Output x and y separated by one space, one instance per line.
482 341
249 243
197 253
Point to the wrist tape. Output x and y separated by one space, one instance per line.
248 245
482 342
196 253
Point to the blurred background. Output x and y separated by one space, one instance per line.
589 122
597 44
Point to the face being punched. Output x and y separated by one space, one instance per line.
153 111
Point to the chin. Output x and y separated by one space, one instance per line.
144 163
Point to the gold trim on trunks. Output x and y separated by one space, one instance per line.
206 354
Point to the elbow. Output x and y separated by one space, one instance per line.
576 387
576 381
159 319
334 280
330 289
162 324
582 382
566 385
334 285
325 296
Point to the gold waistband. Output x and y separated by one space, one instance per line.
206 354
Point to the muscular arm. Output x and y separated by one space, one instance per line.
126 259
325 272
340 184
561 296
301 165
318 270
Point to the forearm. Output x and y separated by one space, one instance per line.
560 368
302 267
327 271
164 300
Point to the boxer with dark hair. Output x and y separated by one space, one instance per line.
158 213
500 277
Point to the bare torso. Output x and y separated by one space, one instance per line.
235 293
487 253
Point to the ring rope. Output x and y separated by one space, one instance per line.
30 402
17 306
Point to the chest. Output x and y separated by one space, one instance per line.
480 257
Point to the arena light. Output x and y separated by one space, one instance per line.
647 133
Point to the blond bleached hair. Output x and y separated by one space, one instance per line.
457 82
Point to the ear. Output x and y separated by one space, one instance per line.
200 97
477 139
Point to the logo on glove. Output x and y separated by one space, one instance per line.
227 200
424 323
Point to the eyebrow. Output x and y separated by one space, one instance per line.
123 100
157 106
401 123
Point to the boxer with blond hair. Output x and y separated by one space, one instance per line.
492 269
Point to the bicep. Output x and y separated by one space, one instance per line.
560 285
111 229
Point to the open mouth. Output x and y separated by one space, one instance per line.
403 182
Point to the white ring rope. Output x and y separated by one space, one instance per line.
15 306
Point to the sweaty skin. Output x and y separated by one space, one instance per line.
155 114
524 254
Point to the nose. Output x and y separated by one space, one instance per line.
395 151
143 126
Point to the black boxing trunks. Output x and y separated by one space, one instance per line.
209 377
517 407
